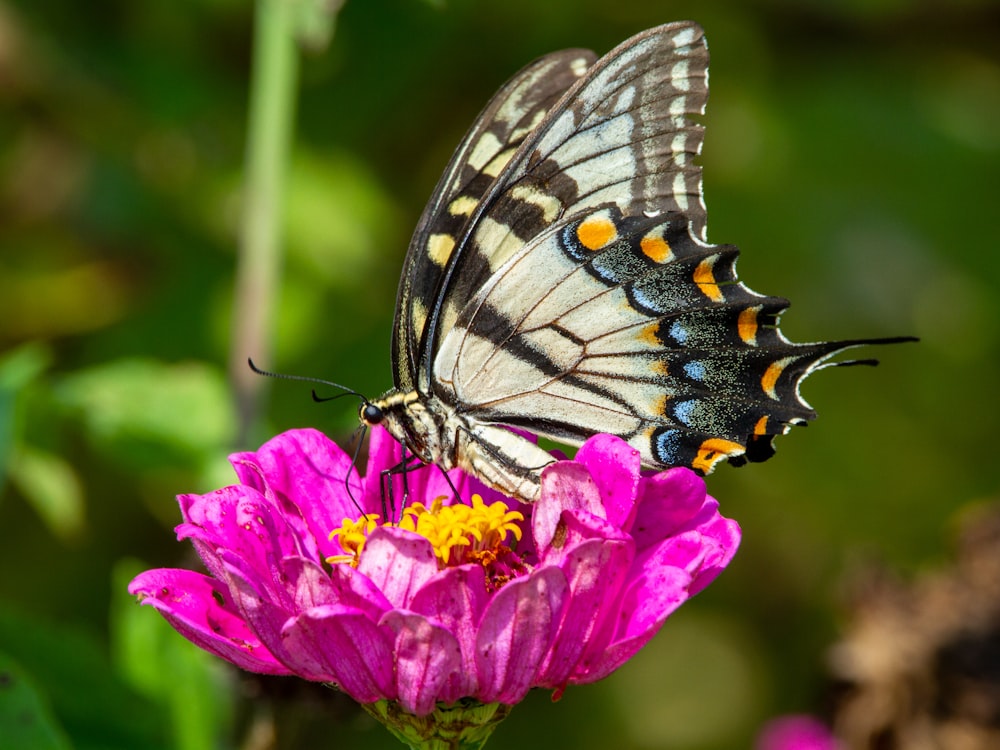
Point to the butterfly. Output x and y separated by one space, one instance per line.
560 281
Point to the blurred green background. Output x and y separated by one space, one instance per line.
852 152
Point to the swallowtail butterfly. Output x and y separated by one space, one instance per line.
560 281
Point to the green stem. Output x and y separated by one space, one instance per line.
274 82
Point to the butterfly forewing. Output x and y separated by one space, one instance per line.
620 135
511 115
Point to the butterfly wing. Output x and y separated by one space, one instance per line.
511 115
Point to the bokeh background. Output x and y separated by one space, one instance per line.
852 152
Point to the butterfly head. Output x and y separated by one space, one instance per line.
370 414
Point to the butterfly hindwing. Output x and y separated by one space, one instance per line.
631 326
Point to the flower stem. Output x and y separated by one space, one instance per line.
274 82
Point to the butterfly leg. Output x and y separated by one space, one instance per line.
387 489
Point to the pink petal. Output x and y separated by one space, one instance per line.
200 609
596 571
615 467
308 584
427 657
565 486
796 732
576 528
517 632
309 478
644 608
265 614
239 523
722 539
260 539
455 599
211 521
669 502
344 646
356 590
398 562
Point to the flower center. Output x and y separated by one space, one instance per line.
460 534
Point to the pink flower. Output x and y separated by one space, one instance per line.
468 598
796 732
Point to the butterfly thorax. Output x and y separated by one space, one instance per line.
436 433
420 429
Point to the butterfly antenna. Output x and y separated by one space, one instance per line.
305 379
346 392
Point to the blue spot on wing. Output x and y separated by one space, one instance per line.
684 411
667 446
695 370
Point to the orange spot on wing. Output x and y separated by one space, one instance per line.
705 279
771 375
595 232
713 450
656 248
746 325
761 427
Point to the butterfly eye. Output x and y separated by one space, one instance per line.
371 414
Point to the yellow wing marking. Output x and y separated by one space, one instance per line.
463 205
705 279
746 325
761 427
771 375
656 248
439 247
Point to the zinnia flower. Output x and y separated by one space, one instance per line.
796 732
463 598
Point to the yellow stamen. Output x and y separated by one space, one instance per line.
459 533
352 536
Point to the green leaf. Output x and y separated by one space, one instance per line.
18 368
26 719
149 414
338 216
193 685
52 487
93 705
